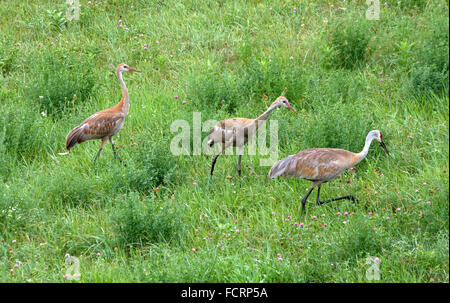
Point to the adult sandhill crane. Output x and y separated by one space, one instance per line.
321 165
106 123
237 131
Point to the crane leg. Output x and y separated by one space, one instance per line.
306 197
318 194
98 154
213 164
100 149
215 159
349 197
239 165
114 151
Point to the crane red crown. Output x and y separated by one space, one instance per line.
381 136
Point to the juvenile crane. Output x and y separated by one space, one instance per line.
321 165
237 131
106 123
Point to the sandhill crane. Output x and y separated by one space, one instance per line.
321 165
237 131
106 123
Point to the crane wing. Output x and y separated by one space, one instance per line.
314 164
230 129
101 124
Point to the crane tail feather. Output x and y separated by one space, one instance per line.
73 137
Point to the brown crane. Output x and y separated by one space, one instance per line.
321 165
237 131
106 123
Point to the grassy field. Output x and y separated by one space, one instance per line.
158 219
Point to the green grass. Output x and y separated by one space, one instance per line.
147 220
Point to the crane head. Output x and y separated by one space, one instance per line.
379 137
123 67
283 101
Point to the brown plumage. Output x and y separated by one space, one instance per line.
321 165
237 131
106 123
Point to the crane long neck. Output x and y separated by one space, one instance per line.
265 115
125 101
363 153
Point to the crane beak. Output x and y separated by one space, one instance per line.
132 69
384 146
290 107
